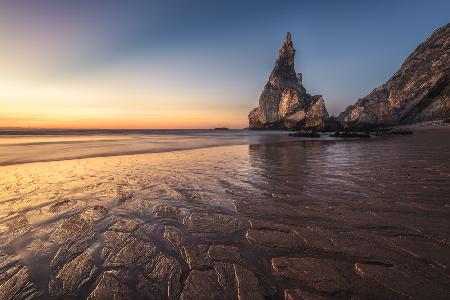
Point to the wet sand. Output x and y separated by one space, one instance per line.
247 216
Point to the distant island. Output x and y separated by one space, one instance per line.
418 92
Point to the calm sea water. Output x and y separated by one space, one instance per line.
21 146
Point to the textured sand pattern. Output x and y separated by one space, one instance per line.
280 220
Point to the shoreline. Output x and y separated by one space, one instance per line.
54 149
6 131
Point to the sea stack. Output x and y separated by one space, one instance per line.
284 102
418 92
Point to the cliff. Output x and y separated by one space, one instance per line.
419 91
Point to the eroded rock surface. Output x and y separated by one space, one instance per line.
284 102
211 223
320 274
419 91
73 276
16 284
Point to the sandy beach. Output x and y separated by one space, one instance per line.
249 216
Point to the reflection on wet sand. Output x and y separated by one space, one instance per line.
280 219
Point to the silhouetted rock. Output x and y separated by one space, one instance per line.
392 131
419 91
284 102
346 134
400 132
305 134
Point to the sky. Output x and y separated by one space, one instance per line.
192 64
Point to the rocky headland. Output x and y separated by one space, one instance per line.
419 91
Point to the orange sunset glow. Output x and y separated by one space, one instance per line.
105 103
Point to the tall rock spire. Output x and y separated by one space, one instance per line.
288 38
284 102
283 74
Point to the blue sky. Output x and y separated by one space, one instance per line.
134 63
